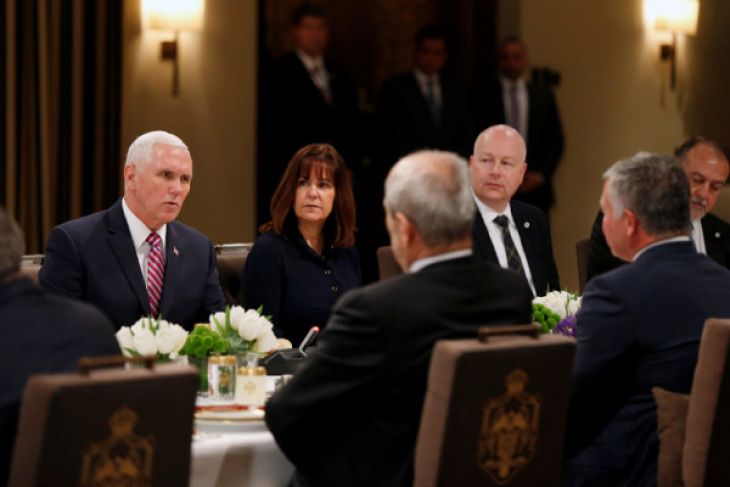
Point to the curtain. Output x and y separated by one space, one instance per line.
60 95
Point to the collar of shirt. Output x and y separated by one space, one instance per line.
139 231
681 238
427 261
488 214
698 238
311 63
423 79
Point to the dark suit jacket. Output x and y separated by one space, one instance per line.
639 326
715 231
299 114
406 123
350 415
93 259
297 287
544 134
41 333
534 230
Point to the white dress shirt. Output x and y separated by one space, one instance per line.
698 237
317 71
495 235
522 101
427 261
139 233
423 83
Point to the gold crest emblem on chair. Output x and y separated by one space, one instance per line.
510 428
122 458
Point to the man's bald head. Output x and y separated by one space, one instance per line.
497 166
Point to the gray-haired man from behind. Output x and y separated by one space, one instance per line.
350 415
639 326
39 333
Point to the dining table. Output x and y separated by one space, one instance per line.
232 447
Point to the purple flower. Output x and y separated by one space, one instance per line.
566 326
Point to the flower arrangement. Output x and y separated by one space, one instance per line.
555 312
203 342
149 336
234 331
244 330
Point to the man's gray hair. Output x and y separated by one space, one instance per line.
12 245
655 188
140 151
432 189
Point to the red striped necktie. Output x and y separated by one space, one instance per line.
155 271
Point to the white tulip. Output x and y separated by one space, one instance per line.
237 314
145 342
251 325
265 341
170 339
139 326
216 319
574 306
125 340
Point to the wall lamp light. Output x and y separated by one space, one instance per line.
675 17
173 15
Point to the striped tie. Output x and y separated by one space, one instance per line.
155 271
513 258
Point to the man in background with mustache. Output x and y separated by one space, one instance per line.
706 164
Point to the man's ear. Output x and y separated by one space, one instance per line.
405 227
632 222
524 170
129 172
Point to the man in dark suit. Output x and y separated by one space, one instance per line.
350 415
530 108
310 99
39 333
422 108
639 326
706 165
510 233
133 259
418 109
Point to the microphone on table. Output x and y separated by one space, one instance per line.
287 361
308 339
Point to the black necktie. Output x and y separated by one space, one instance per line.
513 258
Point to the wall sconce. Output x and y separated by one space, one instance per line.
674 16
173 15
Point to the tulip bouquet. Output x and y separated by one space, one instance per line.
244 330
149 336
555 312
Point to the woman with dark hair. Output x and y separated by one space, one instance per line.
305 258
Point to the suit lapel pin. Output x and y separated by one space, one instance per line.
526 225
717 234
175 251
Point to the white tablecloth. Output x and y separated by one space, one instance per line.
245 458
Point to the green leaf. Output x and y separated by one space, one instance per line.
133 352
228 320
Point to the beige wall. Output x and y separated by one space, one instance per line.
614 102
214 112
